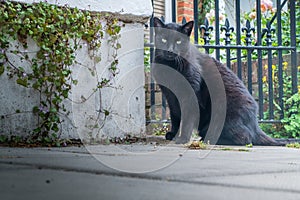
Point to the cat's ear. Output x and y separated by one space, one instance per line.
188 28
158 23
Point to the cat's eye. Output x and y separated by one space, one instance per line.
163 40
178 42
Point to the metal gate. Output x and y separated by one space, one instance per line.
255 50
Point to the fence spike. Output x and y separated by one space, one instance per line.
228 30
183 21
248 30
269 30
207 29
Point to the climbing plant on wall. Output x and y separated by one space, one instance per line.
58 31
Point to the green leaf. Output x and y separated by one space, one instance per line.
22 82
97 59
75 82
106 112
65 72
57 144
35 109
3 138
53 110
118 45
55 127
1 69
65 93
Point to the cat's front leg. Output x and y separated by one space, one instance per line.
175 121
182 139
189 119
170 135
186 131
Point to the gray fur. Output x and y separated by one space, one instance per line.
241 125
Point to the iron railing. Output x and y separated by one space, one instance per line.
244 35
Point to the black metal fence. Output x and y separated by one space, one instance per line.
252 48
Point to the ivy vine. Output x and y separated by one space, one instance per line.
58 32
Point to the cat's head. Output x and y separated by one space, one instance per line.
172 39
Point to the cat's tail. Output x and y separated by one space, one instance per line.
285 141
265 140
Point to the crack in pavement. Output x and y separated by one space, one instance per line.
145 176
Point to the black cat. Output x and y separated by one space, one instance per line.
173 50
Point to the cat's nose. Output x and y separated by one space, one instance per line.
169 55
170 49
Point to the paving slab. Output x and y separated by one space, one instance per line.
162 172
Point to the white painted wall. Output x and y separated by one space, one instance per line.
132 7
125 100
168 11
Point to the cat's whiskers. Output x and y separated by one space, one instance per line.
158 56
180 63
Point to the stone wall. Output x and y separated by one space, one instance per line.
125 99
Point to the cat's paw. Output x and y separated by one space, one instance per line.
181 140
170 135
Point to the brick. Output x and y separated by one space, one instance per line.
184 5
185 9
